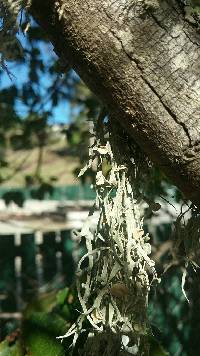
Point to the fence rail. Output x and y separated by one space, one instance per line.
69 192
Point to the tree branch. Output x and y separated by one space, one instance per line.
143 64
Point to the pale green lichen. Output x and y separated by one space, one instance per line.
113 288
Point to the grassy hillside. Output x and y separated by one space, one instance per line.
57 162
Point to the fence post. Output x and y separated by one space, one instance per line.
29 275
7 273
49 255
67 257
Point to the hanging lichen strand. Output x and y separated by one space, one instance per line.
114 277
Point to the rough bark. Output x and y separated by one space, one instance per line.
143 63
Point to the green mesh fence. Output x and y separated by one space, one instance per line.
70 192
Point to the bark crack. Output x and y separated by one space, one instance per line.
153 16
170 112
192 41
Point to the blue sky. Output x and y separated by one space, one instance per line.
61 113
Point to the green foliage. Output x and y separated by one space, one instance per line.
7 349
27 107
14 196
45 189
40 91
44 319
155 348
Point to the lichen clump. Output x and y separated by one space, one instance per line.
114 276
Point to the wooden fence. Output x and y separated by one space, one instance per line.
28 262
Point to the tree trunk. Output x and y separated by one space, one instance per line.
142 61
